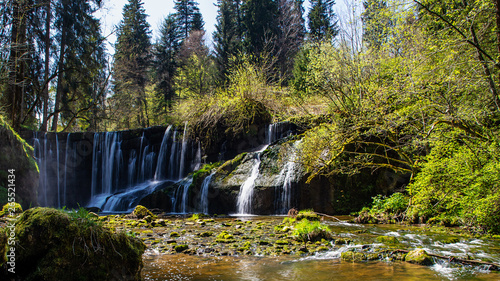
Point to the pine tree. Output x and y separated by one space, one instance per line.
131 63
166 49
189 17
322 20
260 27
228 35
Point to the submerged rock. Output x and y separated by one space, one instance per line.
52 245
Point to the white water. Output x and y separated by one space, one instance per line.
182 193
183 151
286 179
161 163
204 193
244 203
197 159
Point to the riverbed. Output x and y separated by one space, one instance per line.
264 248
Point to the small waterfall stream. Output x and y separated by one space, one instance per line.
204 193
244 203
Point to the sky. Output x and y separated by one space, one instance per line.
157 10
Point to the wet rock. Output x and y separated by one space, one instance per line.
353 256
419 256
142 212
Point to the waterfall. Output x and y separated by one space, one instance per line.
182 193
132 167
66 163
183 151
111 161
244 203
204 193
58 175
197 159
173 157
286 179
277 131
162 155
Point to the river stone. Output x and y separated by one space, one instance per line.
419 256
55 246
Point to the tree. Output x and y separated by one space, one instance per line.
323 24
166 49
228 35
188 15
131 63
376 23
197 68
80 63
292 32
260 27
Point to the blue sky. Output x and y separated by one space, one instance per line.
157 11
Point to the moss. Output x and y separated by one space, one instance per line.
308 214
3 247
206 234
59 247
419 256
353 256
11 209
142 212
174 234
230 165
181 248
387 239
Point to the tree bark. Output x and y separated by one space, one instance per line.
60 70
17 64
45 96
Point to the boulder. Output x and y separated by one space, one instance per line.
52 245
419 256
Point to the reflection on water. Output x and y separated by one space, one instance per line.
184 267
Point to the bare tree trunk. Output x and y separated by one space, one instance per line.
17 65
45 95
60 69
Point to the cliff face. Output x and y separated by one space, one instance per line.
18 168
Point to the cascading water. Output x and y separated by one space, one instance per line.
204 193
197 159
183 151
161 165
179 204
286 179
244 203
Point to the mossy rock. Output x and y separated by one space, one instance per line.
310 215
419 256
353 256
387 239
181 248
56 246
11 209
142 212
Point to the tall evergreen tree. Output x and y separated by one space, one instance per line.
131 63
188 15
261 27
323 22
80 62
166 49
228 35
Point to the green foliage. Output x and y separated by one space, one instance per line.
306 230
459 181
307 214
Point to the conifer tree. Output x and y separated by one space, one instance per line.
166 50
131 63
189 17
228 35
322 20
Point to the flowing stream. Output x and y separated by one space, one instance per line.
328 265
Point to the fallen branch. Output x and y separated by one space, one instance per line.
493 266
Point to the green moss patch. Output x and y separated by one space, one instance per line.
57 246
